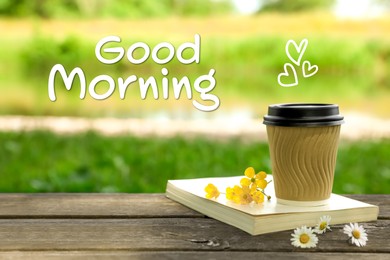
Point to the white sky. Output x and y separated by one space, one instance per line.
357 9
247 6
342 8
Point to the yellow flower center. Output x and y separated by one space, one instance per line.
304 238
356 234
322 225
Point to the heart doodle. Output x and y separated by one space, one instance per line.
286 74
299 49
308 70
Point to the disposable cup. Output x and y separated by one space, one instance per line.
303 142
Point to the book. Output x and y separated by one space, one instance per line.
269 216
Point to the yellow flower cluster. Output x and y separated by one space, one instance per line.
211 191
251 188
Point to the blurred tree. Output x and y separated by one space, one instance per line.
40 8
111 8
16 7
200 7
382 3
294 5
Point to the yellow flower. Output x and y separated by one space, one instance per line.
239 195
253 179
211 191
245 182
261 175
249 172
262 184
230 194
251 188
233 193
258 197
243 195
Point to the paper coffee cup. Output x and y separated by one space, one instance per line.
303 142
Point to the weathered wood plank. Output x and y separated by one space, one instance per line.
172 234
223 255
71 205
57 205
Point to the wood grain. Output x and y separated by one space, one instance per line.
98 205
188 255
150 226
87 205
159 234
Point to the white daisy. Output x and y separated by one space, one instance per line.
304 237
357 234
323 225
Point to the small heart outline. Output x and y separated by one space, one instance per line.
309 68
300 50
285 73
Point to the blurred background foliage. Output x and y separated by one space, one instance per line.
140 8
111 8
242 39
151 8
246 43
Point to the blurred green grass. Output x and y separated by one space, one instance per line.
40 161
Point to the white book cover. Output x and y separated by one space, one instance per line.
266 217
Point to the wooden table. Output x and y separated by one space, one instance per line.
150 226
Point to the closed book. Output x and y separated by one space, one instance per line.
269 216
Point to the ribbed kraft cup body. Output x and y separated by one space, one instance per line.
303 161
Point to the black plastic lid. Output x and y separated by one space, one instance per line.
303 114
